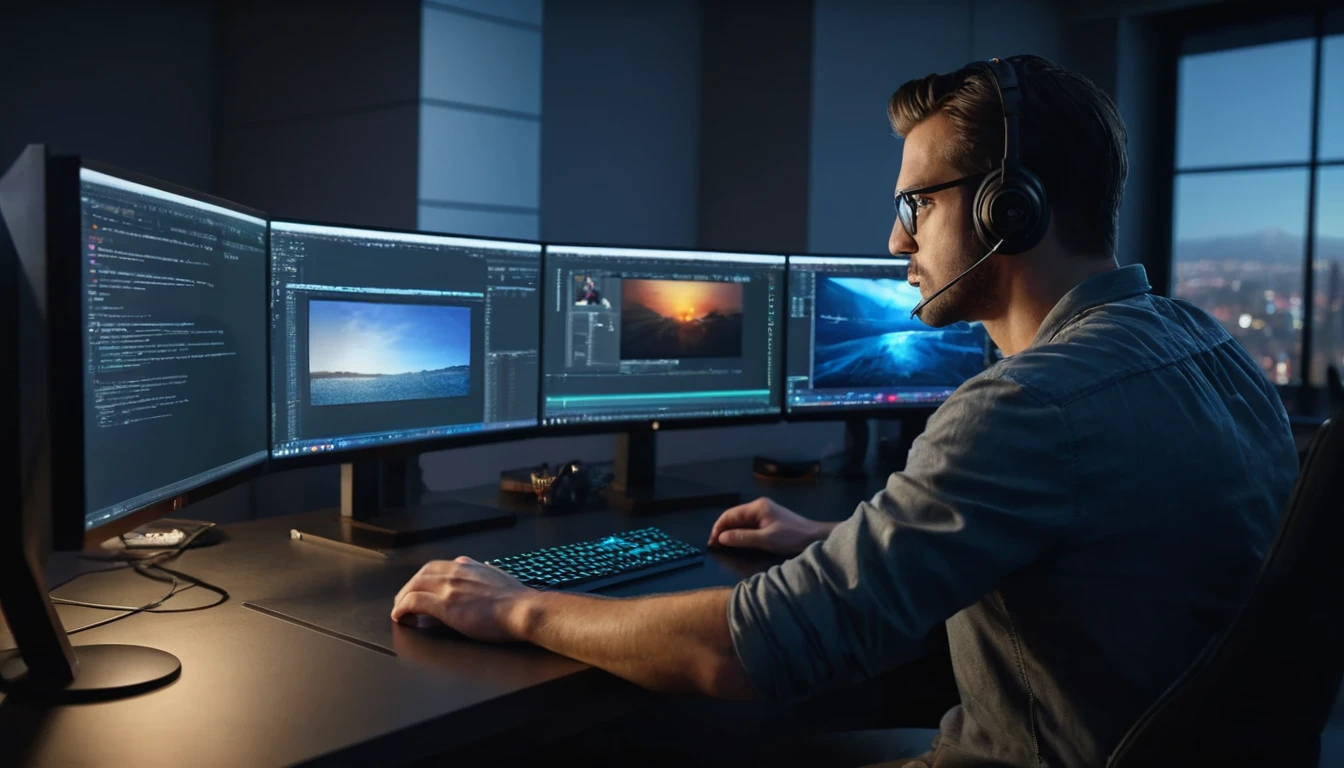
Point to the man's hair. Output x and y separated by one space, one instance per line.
1069 134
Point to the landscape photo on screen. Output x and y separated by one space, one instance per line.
865 337
377 352
680 319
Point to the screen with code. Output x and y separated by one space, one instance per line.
174 343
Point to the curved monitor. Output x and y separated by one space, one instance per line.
853 346
642 336
383 338
137 338
171 292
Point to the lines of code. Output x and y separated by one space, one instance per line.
174 297
151 280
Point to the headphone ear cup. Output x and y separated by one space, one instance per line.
980 210
1014 211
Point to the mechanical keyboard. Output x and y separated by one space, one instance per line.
602 562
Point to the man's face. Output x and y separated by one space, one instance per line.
945 242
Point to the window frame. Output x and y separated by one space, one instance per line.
1219 30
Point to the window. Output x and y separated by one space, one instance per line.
1328 304
1238 254
480 117
1259 191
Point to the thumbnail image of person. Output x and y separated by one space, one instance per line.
589 295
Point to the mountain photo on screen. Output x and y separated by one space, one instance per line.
680 319
378 352
865 337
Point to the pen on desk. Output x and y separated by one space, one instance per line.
339 546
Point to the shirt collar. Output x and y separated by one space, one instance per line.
1112 285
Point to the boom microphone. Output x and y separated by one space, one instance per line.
954 281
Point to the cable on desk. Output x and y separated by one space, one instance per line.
142 565
175 589
127 611
178 588
81 575
195 582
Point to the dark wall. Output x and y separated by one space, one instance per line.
128 84
1146 93
319 109
620 122
755 118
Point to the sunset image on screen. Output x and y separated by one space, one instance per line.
672 319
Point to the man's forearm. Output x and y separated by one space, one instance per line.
678 643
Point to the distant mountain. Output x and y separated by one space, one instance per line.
353 375
844 314
1269 245
635 310
342 375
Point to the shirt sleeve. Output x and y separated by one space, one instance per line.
987 486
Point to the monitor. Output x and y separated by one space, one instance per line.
135 347
647 336
172 292
853 346
387 338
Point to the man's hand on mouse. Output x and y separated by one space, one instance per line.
478 600
763 524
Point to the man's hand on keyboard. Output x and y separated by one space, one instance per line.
478 600
763 524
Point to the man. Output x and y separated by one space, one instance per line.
1084 515
591 296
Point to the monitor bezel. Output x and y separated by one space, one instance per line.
661 424
857 413
407 447
66 348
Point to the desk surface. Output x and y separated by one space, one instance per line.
256 690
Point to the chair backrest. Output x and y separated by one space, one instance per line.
1262 691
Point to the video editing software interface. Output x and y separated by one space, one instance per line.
635 334
853 344
174 352
390 337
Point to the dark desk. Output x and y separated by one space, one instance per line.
256 690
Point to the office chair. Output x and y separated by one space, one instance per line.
1261 692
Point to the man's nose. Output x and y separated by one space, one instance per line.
900 241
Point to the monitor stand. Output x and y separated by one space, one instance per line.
377 513
893 454
636 487
855 457
45 666
890 455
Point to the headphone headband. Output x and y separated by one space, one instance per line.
1010 209
1010 99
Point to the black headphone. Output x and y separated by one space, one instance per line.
1010 204
567 490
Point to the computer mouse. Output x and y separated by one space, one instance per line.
423 622
420 621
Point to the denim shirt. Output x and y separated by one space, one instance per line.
1084 515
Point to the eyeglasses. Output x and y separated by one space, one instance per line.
906 206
